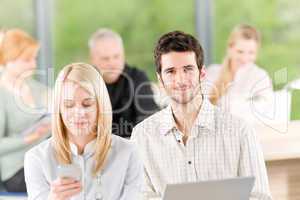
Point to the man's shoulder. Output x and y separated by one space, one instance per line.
135 72
153 120
150 123
122 144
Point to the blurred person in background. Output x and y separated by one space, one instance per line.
238 85
129 88
23 103
2 31
107 165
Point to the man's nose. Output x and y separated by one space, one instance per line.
180 78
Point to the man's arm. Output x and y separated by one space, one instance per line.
148 191
134 178
252 164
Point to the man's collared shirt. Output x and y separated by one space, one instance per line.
219 146
120 178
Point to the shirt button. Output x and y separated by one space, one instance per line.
190 162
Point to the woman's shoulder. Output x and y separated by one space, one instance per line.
212 72
41 150
257 72
122 144
213 68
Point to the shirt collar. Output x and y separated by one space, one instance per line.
167 123
206 116
205 119
89 149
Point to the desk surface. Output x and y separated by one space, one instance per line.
280 141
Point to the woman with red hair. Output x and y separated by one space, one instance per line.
23 102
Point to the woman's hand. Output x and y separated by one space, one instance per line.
38 134
64 189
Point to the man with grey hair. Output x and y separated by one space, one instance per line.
129 88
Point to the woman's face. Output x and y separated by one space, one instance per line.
25 64
78 109
243 52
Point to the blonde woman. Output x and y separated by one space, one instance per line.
238 85
23 102
109 167
1 39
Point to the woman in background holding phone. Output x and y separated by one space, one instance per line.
93 163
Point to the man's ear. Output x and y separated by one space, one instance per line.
203 73
160 81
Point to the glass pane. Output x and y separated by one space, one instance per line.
140 23
15 13
277 20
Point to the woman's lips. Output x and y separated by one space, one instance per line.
79 124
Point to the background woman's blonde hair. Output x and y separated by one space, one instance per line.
16 44
89 78
221 85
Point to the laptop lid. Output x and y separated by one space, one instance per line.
226 189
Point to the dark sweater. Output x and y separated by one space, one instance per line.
132 100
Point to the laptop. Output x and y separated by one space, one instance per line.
226 189
13 196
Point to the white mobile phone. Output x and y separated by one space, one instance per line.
69 171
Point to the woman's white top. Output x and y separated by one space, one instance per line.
120 179
249 95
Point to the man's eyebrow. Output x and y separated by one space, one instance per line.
189 66
168 68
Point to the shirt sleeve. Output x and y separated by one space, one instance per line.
143 98
252 164
134 178
147 189
8 144
37 186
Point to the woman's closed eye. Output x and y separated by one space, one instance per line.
69 103
88 102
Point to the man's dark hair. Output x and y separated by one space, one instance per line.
177 41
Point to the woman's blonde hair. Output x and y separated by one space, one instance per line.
90 79
226 76
15 44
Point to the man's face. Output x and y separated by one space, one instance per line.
108 55
180 76
25 64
